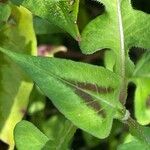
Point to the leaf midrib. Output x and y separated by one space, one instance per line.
122 40
69 83
18 57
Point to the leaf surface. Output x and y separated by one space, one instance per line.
142 101
133 142
62 13
142 69
27 136
15 87
5 12
141 77
133 145
42 26
60 130
120 27
84 98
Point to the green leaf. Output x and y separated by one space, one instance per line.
132 142
119 28
141 133
86 94
42 26
110 62
62 13
60 130
5 12
90 140
27 136
15 87
142 69
142 101
137 145
36 102
17 2
120 24
141 77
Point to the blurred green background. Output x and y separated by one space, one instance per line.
42 112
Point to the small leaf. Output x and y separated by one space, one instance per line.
141 77
110 61
27 136
142 101
83 96
5 11
137 145
60 130
142 69
62 13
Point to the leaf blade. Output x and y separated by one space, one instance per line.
25 140
14 99
61 13
71 104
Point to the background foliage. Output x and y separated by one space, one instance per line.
60 39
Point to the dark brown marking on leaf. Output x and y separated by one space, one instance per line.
105 90
148 102
89 101
87 98
94 87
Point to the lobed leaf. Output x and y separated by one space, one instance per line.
120 27
89 97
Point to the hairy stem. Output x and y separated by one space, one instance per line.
137 130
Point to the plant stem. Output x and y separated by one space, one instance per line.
137 130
